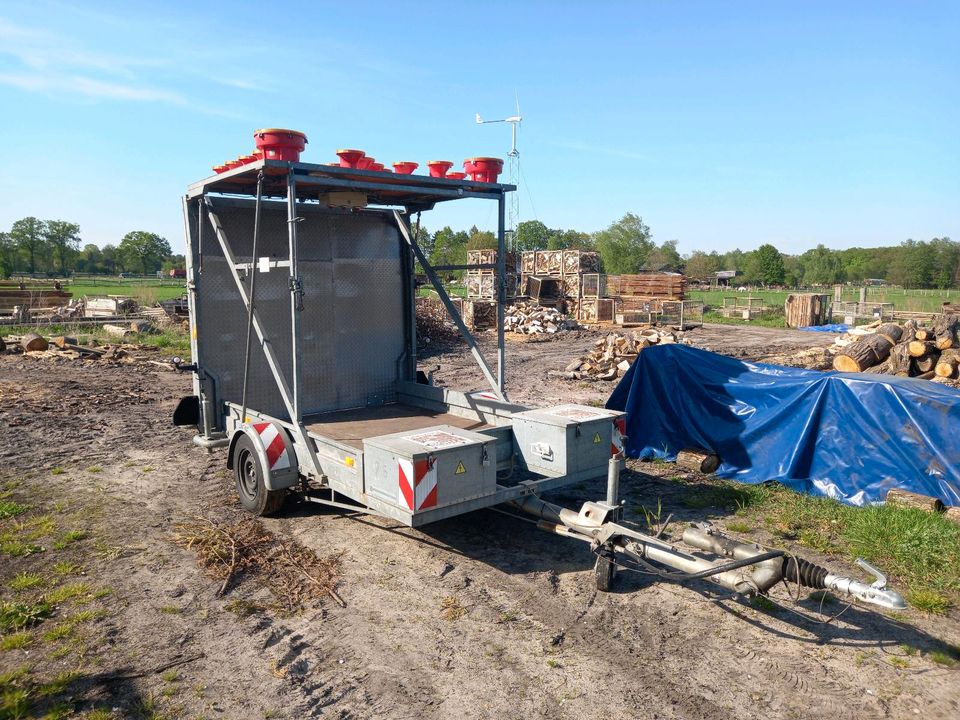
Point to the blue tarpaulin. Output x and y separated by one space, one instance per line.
847 435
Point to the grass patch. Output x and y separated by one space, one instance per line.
242 608
19 615
945 657
18 548
9 509
170 609
728 496
57 471
58 633
68 538
739 526
16 641
71 591
65 567
25 581
919 550
94 469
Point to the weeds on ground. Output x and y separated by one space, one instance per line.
9 509
451 609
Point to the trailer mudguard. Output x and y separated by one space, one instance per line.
274 447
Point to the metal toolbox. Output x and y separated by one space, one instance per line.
565 439
419 470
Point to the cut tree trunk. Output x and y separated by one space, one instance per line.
116 330
702 461
899 361
945 329
926 363
62 341
948 363
869 350
919 348
140 326
32 341
922 334
905 498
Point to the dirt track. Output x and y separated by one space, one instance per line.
482 616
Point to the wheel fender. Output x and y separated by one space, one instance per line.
274 447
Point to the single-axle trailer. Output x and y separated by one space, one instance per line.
302 291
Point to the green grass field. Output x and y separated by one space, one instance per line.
144 290
907 300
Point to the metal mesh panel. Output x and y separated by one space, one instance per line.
351 327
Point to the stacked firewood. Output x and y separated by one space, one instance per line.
530 319
908 350
613 355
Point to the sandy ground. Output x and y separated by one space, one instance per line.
478 617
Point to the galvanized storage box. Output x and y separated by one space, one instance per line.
419 470
566 439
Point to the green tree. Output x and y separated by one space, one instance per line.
64 240
531 235
110 261
765 265
28 236
913 265
144 251
90 259
734 260
449 247
664 258
572 239
822 266
8 255
703 265
481 239
625 245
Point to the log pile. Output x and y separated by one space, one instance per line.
613 355
530 319
661 286
806 309
434 326
908 350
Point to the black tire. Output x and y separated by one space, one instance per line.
255 497
606 570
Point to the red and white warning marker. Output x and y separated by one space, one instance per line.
619 432
417 482
274 444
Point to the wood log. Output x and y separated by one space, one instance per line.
866 352
907 499
891 331
921 334
61 341
952 514
919 348
945 329
900 358
116 330
140 326
910 328
948 363
32 341
926 363
929 375
698 460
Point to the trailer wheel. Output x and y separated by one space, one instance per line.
606 569
255 497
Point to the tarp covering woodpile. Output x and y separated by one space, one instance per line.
851 436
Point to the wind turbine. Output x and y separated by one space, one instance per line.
513 170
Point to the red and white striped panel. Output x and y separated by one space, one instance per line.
619 432
276 448
417 482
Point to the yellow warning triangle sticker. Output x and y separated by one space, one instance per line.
596 438
460 468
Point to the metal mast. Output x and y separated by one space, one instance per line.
513 168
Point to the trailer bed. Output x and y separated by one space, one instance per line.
351 427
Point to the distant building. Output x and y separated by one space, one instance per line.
874 281
722 278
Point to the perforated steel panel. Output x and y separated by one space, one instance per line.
351 326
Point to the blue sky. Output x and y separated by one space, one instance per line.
724 124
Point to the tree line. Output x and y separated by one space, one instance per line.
627 246
53 247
